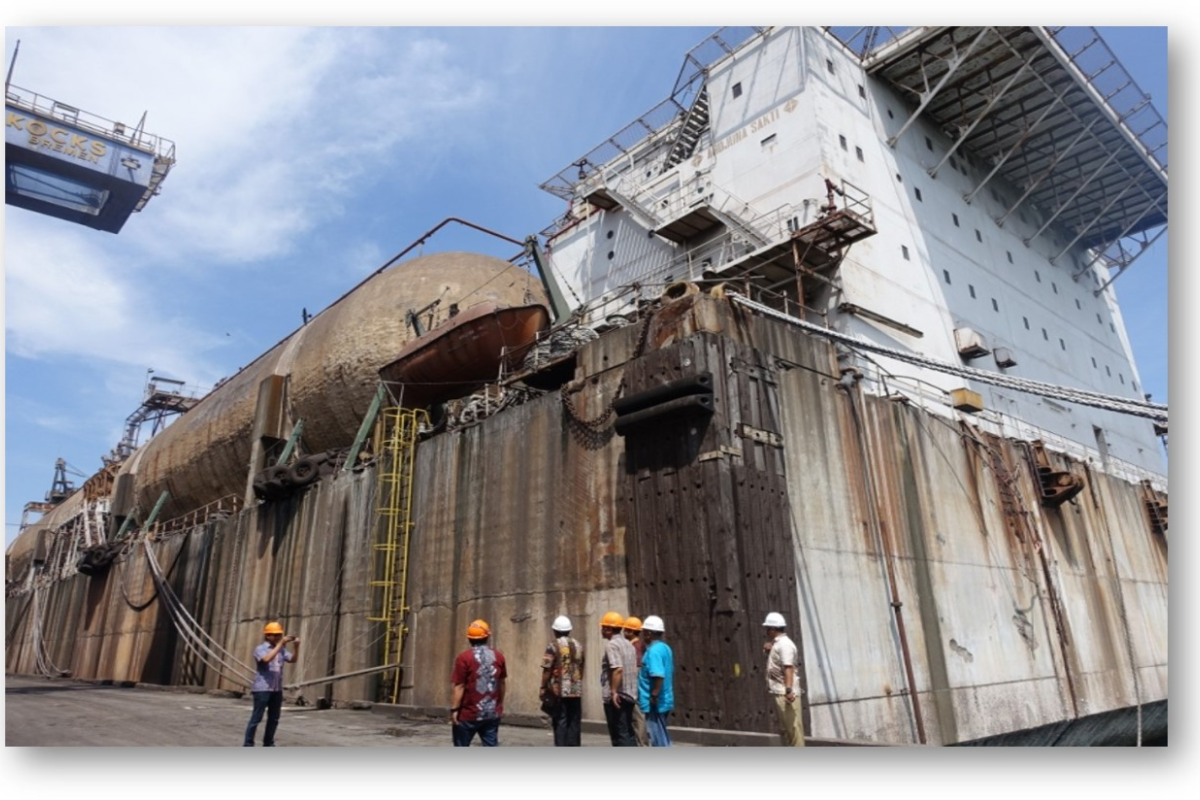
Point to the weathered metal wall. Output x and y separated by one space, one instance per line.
302 561
898 542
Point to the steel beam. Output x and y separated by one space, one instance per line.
1100 251
297 429
928 96
962 137
1084 230
1045 174
1066 203
365 428
1016 146
1129 263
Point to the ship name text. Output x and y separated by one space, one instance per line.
743 132
60 140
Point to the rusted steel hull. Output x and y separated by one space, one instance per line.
464 353
853 515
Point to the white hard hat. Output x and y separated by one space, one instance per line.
774 620
562 624
653 623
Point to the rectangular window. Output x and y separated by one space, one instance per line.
861 91
1062 344
978 235
1094 364
918 193
955 218
972 289
842 142
829 65
1054 286
946 275
737 89
995 305
767 142
904 252
1098 318
953 163
858 152
1009 256
1078 305
928 143
1112 327
1045 335
1026 321
1109 371
1121 375
1037 275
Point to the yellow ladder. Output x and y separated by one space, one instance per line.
389 602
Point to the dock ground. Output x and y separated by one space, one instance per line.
44 712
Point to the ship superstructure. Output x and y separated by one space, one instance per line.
967 194
822 358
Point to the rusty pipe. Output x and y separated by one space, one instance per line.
885 546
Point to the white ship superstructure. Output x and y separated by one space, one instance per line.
967 194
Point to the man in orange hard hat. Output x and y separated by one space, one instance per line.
618 681
479 679
267 687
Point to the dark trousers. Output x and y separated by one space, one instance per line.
567 722
272 703
620 723
488 730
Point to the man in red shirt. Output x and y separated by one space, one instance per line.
479 680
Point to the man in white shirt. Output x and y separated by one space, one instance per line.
783 679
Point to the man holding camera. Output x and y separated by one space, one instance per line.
267 688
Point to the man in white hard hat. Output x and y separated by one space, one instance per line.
562 684
783 679
656 681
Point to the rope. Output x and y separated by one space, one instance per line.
193 635
45 665
1120 405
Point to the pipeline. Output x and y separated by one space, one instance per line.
888 557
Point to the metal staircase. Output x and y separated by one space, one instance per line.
389 585
694 126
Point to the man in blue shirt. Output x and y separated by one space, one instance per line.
267 687
656 682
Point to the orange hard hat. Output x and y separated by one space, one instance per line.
478 630
612 620
273 627
483 624
633 624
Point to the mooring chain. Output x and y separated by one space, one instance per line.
599 423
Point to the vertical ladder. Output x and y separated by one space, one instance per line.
389 570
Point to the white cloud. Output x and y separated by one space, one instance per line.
274 128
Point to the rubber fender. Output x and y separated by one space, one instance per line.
700 383
304 471
692 403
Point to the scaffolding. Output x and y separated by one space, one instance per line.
389 596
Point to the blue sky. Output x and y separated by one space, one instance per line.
306 159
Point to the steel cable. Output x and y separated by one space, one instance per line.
1120 405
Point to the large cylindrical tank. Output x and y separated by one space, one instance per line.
331 366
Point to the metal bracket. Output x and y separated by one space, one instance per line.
759 435
721 452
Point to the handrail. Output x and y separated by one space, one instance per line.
35 103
